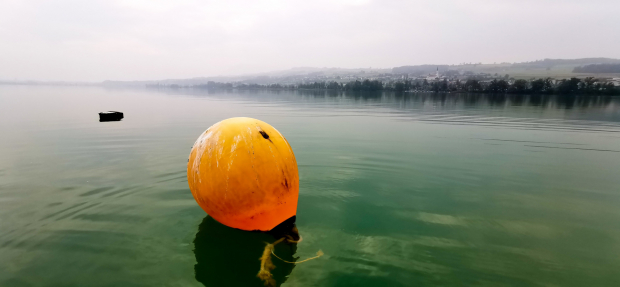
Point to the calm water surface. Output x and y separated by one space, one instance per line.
397 190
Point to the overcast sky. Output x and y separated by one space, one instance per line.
94 40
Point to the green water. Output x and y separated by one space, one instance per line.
397 190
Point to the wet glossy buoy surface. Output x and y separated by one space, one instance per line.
243 173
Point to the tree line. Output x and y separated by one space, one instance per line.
587 86
496 86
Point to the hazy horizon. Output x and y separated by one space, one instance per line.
147 40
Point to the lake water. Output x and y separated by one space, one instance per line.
396 189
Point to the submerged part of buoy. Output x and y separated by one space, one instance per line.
243 173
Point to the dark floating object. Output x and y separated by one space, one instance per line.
110 116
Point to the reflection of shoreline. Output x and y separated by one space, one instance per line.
468 99
230 257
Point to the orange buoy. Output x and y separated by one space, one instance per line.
243 173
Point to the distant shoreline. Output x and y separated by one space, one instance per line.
573 86
582 68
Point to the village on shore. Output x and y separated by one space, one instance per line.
447 82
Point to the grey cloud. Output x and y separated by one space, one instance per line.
139 39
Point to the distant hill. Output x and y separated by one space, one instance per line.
292 75
554 65
550 63
598 68
554 68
